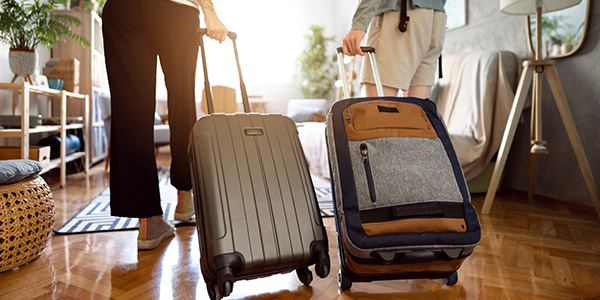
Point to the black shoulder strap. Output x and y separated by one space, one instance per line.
440 74
403 17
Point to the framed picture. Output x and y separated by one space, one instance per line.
456 10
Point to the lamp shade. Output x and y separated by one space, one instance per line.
527 7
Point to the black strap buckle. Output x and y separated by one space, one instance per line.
403 26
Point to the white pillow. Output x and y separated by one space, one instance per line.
303 110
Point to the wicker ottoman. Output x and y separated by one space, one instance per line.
26 220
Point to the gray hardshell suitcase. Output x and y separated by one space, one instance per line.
402 206
256 209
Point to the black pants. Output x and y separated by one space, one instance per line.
135 32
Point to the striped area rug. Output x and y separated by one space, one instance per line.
95 217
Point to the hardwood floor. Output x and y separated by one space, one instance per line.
542 250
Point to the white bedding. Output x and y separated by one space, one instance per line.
312 137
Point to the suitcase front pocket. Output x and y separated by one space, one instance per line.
381 119
424 217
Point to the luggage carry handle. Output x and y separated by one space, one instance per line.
209 101
415 256
371 54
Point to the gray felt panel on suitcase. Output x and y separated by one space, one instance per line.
405 171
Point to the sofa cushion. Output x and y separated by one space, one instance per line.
12 171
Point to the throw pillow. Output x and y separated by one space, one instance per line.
12 171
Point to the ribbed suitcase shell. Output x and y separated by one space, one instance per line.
255 200
256 209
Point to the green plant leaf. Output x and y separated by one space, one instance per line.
316 71
27 24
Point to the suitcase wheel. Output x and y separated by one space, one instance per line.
224 281
227 288
452 279
322 266
305 275
213 293
344 282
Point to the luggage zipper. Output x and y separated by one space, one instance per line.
364 152
348 118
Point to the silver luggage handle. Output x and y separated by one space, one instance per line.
371 54
232 35
209 101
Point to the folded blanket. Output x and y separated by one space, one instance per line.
474 98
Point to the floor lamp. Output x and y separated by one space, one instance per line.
533 73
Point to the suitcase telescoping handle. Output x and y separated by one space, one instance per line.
207 92
232 35
371 54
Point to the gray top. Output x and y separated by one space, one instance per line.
367 9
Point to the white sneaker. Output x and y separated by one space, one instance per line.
185 203
149 244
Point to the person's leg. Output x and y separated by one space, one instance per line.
418 91
177 44
371 90
424 78
398 53
374 34
131 68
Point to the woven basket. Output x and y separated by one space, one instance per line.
26 220
66 69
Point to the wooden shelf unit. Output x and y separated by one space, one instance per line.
25 90
93 80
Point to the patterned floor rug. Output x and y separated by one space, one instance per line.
95 217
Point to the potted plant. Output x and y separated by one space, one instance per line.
316 67
89 5
571 38
550 28
316 76
26 24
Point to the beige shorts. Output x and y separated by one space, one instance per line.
406 58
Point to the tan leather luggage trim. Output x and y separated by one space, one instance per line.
415 225
382 119
432 266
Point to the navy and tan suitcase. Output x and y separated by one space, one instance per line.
257 213
402 207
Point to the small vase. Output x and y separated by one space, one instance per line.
555 50
22 62
565 48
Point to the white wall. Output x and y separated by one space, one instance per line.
270 38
